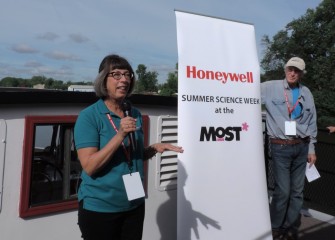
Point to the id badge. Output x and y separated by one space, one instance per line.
290 128
133 185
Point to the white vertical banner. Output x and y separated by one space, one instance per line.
222 191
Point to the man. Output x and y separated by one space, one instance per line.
292 129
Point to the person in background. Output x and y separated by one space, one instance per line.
102 137
331 129
292 129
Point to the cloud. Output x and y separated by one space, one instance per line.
62 73
143 33
33 68
32 64
5 70
58 55
78 38
23 48
49 36
163 70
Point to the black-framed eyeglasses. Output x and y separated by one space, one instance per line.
118 75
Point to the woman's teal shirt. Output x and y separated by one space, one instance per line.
105 191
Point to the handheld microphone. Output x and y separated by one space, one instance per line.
126 107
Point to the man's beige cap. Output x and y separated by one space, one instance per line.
296 62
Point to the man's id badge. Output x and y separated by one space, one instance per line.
290 128
133 185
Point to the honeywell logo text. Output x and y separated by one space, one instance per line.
223 77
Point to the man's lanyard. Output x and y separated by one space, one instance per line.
126 151
289 109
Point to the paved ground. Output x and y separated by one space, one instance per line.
317 227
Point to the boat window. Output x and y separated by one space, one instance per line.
51 169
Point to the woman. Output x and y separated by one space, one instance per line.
104 150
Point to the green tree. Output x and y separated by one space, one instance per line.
311 37
171 86
9 82
15 82
49 83
146 80
38 80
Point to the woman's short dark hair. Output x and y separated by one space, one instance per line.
109 63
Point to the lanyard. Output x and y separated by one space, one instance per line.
126 151
290 110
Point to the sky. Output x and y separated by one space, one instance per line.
67 39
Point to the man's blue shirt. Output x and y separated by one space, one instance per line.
273 97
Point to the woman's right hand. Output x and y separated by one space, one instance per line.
92 159
127 124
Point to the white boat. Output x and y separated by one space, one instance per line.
39 170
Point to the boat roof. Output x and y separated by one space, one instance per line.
31 95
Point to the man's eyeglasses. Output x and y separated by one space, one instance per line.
118 75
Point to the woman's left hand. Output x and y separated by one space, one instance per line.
161 147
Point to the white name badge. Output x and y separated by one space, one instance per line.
133 185
290 128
